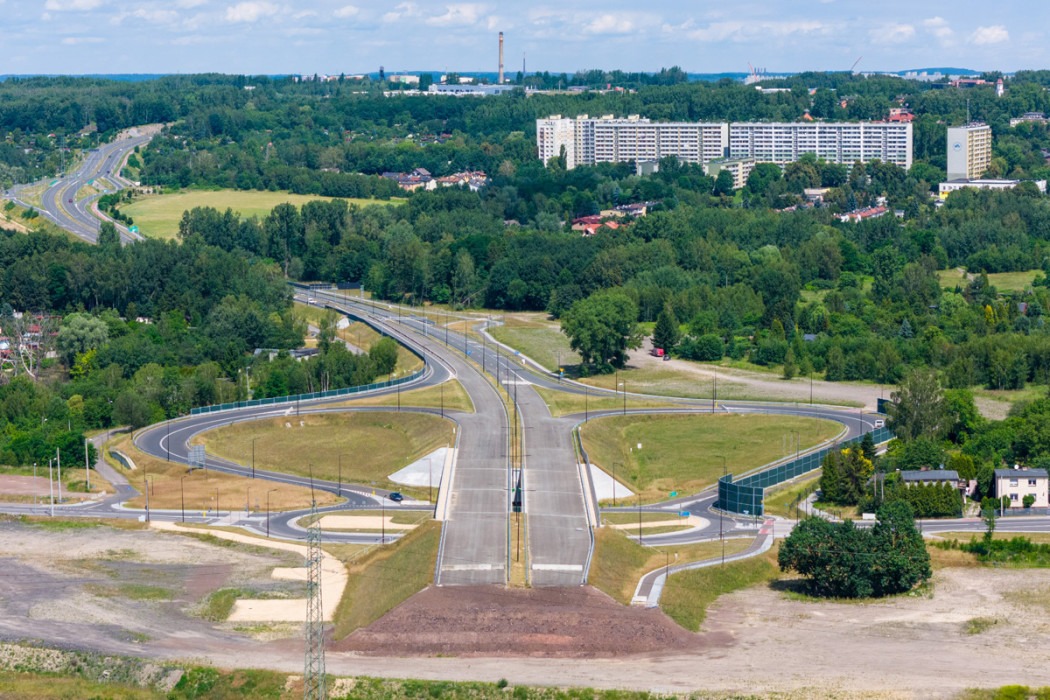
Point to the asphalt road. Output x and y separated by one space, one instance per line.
101 167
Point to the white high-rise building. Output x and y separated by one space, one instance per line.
611 140
835 142
969 151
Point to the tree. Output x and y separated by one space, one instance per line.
80 333
845 476
602 328
384 355
724 183
900 560
918 408
843 561
666 333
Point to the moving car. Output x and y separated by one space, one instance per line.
396 496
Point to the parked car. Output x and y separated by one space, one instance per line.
396 496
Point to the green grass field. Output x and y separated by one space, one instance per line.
158 216
372 445
684 453
1003 281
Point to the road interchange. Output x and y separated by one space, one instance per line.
479 543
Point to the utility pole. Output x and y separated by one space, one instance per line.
182 493
51 484
58 461
87 467
253 458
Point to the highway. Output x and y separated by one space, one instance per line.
61 201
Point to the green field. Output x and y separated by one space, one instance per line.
158 216
1003 281
684 453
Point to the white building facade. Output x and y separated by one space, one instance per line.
611 140
969 151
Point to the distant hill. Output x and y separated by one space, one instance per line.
942 71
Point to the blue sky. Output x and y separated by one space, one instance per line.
351 36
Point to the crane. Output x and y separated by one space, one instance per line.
854 65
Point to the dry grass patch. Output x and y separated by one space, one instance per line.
373 445
451 395
562 403
537 337
198 490
684 452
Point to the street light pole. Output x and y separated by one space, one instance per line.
340 474
268 511
182 492
87 466
253 458
625 397
167 442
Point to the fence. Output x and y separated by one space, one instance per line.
745 496
307 397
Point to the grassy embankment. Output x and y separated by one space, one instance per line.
45 674
373 445
158 216
172 485
684 453
688 594
383 577
619 562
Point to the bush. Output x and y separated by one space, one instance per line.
706 348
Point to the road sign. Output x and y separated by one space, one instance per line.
673 494
684 514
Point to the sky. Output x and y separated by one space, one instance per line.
358 36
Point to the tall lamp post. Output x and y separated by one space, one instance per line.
268 511
253 458
182 493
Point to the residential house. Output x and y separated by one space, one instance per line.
1019 482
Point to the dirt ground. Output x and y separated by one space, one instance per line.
754 641
481 621
84 589
772 387
11 485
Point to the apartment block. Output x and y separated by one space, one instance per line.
969 151
613 140
836 142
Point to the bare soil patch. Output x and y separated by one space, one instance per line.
12 485
474 621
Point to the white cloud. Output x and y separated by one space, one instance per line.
151 15
77 5
892 34
610 24
74 40
462 14
402 11
744 31
250 11
347 11
190 4
938 26
986 36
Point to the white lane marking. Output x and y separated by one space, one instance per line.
471 567
557 567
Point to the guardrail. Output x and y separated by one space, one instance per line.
332 393
746 496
